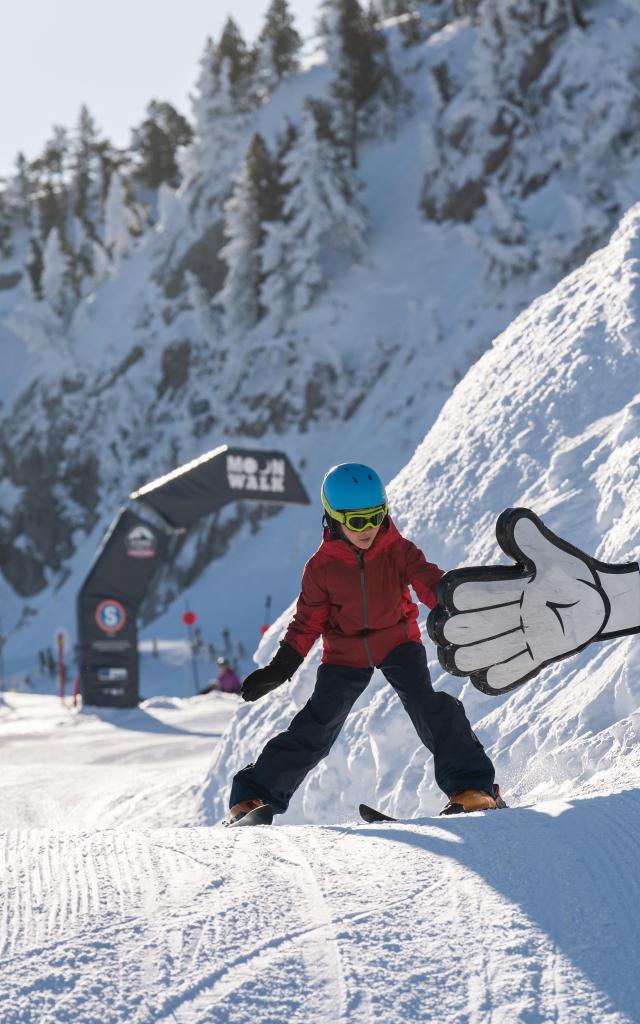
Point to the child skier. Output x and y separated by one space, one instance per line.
355 594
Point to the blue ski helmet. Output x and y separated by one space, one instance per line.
352 486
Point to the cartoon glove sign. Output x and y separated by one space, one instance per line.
500 625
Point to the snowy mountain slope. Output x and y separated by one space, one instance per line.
547 418
110 912
145 379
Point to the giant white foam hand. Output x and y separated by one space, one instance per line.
501 624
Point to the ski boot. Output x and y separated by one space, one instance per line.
244 807
470 800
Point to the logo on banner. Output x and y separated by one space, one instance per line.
110 616
140 542
112 675
245 473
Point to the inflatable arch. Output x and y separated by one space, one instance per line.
136 544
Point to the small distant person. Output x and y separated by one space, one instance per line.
227 680
51 663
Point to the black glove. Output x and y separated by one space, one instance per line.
281 667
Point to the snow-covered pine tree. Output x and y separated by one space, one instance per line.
6 227
83 249
53 161
221 124
254 202
321 217
514 45
328 27
155 144
207 319
18 192
57 282
92 157
86 177
232 50
122 221
50 171
480 132
362 70
278 45
34 266
541 99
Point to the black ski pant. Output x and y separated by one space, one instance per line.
460 761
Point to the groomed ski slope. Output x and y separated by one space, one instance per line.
527 915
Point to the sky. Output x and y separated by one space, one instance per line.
114 57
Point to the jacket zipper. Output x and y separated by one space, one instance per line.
365 610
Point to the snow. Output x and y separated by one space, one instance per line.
116 907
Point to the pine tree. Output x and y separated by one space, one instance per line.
484 136
278 44
515 42
19 191
57 283
321 217
286 141
122 221
254 202
50 172
155 144
87 161
6 228
53 161
362 67
52 207
220 122
81 160
328 27
89 259
35 267
16 198
232 51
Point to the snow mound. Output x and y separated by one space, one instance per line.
547 418
162 703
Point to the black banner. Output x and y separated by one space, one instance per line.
134 548
219 477
108 605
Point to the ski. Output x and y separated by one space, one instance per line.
370 815
262 815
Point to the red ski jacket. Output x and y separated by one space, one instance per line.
359 601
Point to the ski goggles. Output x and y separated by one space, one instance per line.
362 519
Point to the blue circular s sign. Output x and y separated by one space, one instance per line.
110 616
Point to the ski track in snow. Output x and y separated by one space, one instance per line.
111 912
526 916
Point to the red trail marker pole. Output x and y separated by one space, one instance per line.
190 618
